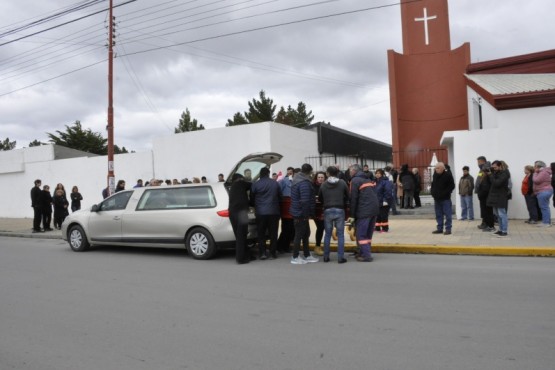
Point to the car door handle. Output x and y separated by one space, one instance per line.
117 218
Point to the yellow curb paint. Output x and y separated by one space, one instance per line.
456 250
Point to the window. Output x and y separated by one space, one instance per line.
177 198
116 202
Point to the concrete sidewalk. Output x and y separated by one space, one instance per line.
408 234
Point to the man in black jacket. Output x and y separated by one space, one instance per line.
238 215
35 203
443 185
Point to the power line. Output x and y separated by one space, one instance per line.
218 36
55 77
63 24
263 28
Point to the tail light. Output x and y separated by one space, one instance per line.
223 213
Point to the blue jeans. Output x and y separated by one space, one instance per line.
467 207
444 209
501 214
334 216
543 201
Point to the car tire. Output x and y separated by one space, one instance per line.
200 244
77 239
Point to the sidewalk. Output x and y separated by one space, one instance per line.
408 234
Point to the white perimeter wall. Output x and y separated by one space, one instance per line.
194 154
519 137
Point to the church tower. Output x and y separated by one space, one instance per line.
426 84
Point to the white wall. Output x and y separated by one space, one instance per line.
521 137
193 154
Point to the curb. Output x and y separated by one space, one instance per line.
30 235
454 250
395 248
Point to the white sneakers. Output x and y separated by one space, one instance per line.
298 261
302 260
311 259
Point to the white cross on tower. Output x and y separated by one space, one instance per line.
425 19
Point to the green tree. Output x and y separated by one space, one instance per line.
302 117
117 150
7 144
295 117
35 143
185 123
75 137
238 119
261 110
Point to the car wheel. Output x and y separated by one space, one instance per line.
77 239
200 244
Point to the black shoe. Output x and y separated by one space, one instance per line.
273 256
342 260
501 234
488 229
35 231
447 232
326 259
437 232
365 259
262 257
497 232
482 226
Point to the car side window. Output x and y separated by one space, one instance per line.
116 202
177 198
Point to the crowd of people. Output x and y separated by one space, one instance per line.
333 199
494 189
44 203
157 182
330 199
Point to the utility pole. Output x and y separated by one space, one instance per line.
110 127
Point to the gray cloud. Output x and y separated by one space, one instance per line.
337 65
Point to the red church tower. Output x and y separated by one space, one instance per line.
426 84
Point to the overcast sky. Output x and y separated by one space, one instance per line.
212 57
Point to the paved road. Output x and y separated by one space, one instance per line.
116 308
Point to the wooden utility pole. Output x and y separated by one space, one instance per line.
110 127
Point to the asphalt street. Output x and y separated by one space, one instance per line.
127 308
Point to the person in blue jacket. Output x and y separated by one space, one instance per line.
303 203
364 210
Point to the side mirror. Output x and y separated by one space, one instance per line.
95 208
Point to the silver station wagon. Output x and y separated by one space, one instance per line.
193 216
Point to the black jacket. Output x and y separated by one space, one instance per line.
238 196
364 201
333 193
442 185
35 194
45 201
498 196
